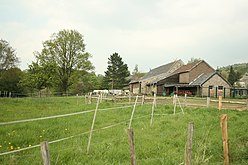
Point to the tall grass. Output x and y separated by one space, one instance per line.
163 142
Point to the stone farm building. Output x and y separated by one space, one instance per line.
197 78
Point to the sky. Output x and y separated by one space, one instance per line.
147 33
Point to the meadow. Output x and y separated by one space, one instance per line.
163 142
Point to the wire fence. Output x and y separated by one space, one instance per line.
188 101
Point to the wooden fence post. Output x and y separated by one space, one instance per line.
131 119
246 104
77 99
45 153
188 155
129 99
89 98
131 144
85 99
92 126
185 99
143 100
153 105
208 101
101 97
220 103
174 103
223 124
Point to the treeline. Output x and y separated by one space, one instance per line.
62 66
234 72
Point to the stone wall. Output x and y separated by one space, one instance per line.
202 67
184 77
216 81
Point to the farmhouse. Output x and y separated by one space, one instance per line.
147 84
197 78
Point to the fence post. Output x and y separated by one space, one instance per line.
188 155
85 99
246 104
208 101
45 153
129 99
131 119
77 99
143 99
223 124
89 98
185 99
220 103
131 144
101 97
92 126
174 103
153 105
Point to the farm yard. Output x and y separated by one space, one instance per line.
65 122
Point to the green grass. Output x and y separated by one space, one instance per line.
161 143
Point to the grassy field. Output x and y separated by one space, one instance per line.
162 143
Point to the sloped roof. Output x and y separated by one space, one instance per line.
160 70
201 79
189 67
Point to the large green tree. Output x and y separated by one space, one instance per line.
83 82
116 76
8 58
39 76
66 49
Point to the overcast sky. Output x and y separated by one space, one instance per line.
148 33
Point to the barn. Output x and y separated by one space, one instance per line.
198 79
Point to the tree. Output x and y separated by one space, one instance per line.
136 74
83 82
194 60
39 76
233 76
116 76
8 57
66 49
9 80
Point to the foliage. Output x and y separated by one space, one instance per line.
233 76
66 49
193 60
39 76
136 74
241 69
9 80
116 76
83 82
163 142
8 57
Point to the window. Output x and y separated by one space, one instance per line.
220 87
211 87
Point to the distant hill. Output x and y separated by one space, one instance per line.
241 68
